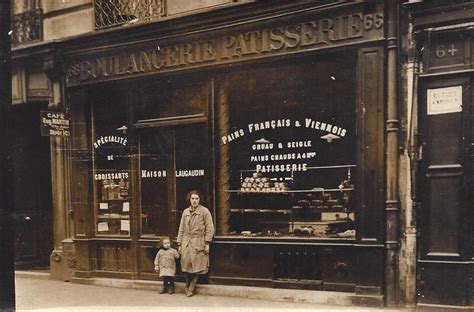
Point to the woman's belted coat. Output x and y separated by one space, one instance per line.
195 229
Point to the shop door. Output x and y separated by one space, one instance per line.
173 161
444 191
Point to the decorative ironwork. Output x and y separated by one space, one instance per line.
110 13
300 263
27 27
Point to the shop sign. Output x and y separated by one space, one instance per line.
285 155
179 173
157 56
55 124
444 100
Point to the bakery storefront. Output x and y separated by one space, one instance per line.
279 120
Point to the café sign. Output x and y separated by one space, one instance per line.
156 56
55 124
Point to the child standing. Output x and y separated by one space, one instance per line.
165 264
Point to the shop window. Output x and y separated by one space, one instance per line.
290 138
111 176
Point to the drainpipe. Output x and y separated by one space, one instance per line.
392 132
411 154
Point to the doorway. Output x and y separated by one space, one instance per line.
173 161
445 190
31 187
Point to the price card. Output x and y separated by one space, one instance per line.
103 206
126 206
102 227
125 225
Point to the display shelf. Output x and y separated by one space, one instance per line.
113 216
294 191
285 211
302 205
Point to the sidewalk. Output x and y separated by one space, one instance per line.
35 291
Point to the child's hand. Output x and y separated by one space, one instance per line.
157 269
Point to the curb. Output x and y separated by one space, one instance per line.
262 293
32 274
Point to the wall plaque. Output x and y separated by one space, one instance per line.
444 100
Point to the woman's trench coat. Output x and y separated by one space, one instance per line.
195 229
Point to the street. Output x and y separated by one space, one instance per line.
51 295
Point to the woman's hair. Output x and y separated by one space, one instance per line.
188 197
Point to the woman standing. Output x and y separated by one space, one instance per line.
194 235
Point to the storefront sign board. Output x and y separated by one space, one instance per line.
55 124
163 56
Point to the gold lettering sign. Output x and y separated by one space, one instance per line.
306 36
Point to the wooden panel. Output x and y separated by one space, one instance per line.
339 269
444 202
81 161
443 283
370 128
298 264
83 255
369 270
18 85
242 261
146 258
38 87
444 135
113 258
447 52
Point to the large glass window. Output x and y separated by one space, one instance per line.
291 141
111 175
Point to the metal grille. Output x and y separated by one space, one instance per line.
298 264
26 27
110 13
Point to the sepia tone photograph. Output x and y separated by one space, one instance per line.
237 155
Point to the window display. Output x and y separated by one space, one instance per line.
292 150
111 177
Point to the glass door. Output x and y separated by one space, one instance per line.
173 161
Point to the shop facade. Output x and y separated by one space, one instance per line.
286 119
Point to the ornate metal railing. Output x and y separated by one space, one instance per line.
110 13
27 27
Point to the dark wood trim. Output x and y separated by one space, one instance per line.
370 154
172 121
